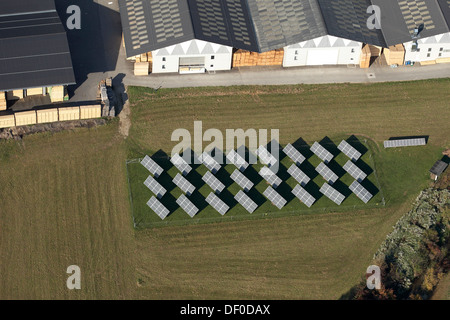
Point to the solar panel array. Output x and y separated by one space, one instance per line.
294 154
275 197
241 180
326 173
332 194
270 177
158 208
183 184
209 162
354 171
234 158
321 152
246 184
213 182
405 143
155 187
303 196
180 164
245 201
298 175
187 205
349 151
215 202
152 166
360 191
265 156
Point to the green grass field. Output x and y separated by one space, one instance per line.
65 198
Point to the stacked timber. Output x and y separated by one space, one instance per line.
90 112
57 93
7 121
244 58
25 118
47 115
427 63
375 51
395 55
443 60
2 100
366 55
14 95
69 113
141 68
34 92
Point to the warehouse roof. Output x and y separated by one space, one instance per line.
264 25
33 46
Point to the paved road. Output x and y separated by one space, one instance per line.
97 53
278 75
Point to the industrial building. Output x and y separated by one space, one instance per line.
183 36
34 53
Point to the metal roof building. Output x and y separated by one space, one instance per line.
34 51
264 25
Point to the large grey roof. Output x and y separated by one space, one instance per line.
264 25
34 51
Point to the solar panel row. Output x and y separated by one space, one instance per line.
241 180
209 162
349 151
275 197
303 196
321 152
354 171
360 191
158 208
152 166
270 177
180 164
245 201
155 187
215 202
213 182
294 154
405 143
234 158
183 184
298 175
327 173
332 194
187 205
265 156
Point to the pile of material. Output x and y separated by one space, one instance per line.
366 55
243 58
2 101
395 55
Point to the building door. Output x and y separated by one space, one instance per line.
192 65
318 57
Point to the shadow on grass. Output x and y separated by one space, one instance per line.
369 186
329 145
303 147
314 190
336 168
355 143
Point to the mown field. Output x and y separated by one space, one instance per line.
65 198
